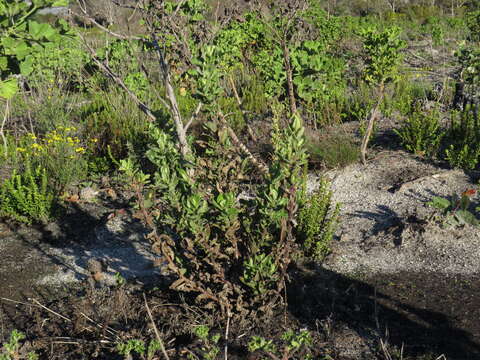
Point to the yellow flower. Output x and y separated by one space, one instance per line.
36 146
20 149
80 150
94 140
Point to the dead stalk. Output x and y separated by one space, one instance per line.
50 310
288 70
226 334
174 109
157 333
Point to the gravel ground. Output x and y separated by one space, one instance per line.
386 226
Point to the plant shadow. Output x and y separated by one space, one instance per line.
319 295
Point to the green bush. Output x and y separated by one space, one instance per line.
115 121
421 132
27 197
463 140
317 221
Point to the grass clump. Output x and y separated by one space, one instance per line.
333 151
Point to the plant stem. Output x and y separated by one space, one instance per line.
2 134
371 121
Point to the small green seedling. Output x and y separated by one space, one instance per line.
457 209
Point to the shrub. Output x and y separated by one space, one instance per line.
217 247
421 133
113 119
332 151
463 139
60 153
27 197
317 221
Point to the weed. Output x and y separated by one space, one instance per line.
457 210
293 343
11 349
209 348
138 346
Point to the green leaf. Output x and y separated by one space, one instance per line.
26 66
60 3
466 217
8 88
38 31
3 63
439 203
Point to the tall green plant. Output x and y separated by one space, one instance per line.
382 65
21 38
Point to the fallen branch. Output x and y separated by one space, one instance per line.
157 333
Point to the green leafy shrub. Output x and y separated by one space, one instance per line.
382 66
22 38
317 221
463 138
222 251
318 76
59 65
122 57
421 132
27 197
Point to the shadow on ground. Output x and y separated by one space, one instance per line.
406 310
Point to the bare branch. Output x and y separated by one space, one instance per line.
157 333
86 16
194 115
106 69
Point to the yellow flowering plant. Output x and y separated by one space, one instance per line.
60 152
